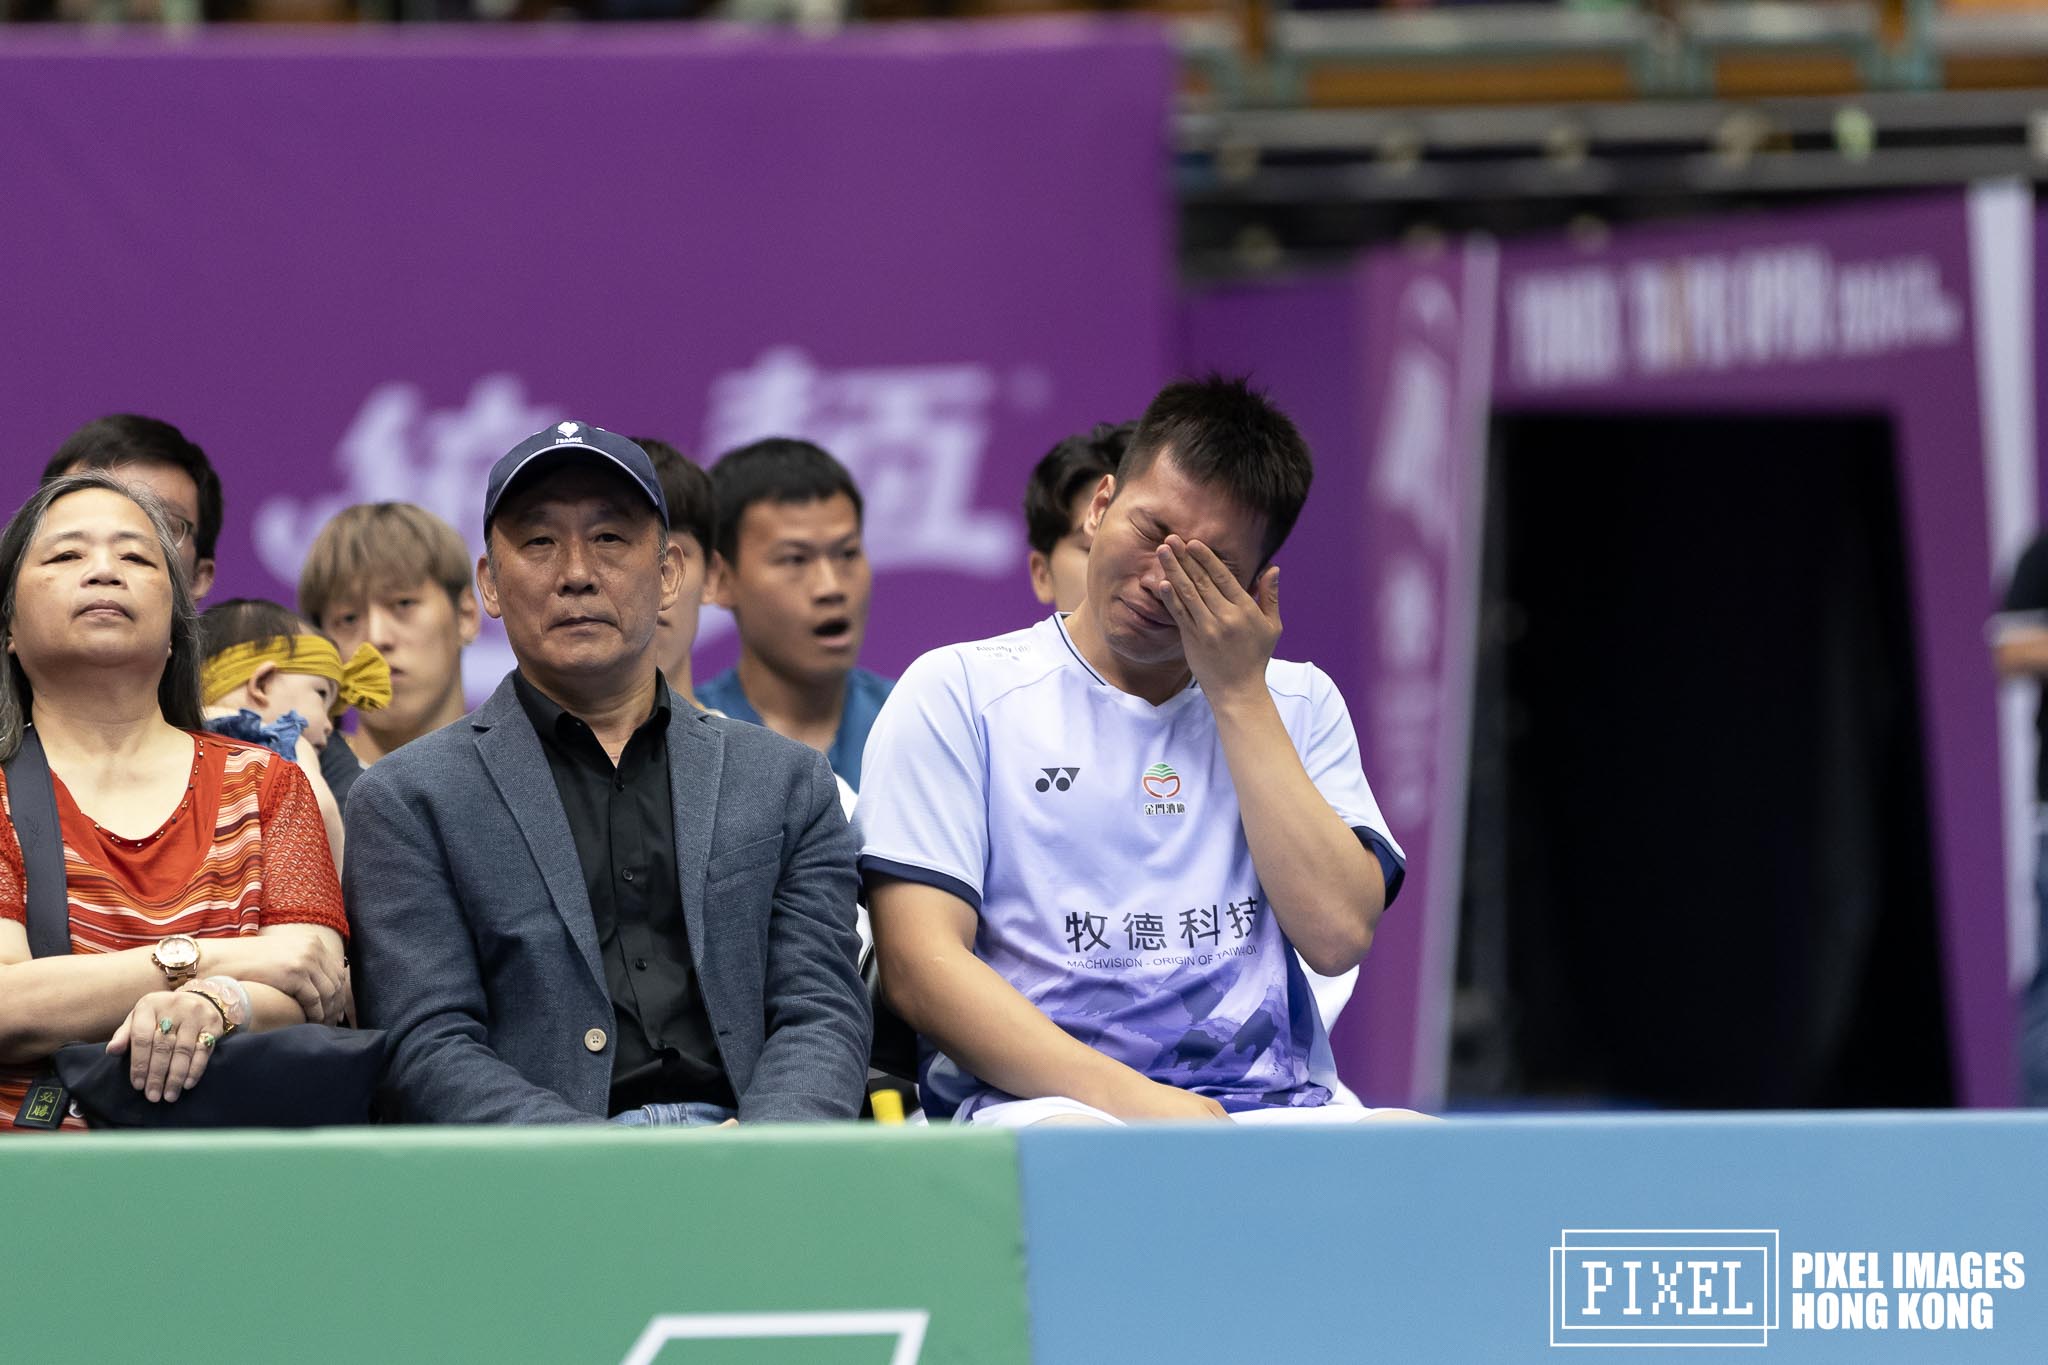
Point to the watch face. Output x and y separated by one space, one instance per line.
177 952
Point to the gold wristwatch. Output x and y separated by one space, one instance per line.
177 957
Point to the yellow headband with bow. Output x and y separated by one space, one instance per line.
364 681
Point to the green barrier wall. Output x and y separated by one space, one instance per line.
798 1247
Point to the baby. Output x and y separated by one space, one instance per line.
271 679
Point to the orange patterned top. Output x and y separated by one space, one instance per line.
259 857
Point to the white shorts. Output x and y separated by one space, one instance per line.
1024 1113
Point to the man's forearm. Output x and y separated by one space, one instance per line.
970 1013
2021 654
1325 888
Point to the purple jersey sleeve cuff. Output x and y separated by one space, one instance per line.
873 869
1393 867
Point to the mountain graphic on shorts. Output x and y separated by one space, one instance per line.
1161 781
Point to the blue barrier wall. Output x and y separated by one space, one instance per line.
1427 1243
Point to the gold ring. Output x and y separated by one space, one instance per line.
166 1026
206 1040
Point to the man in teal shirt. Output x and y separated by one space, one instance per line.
791 569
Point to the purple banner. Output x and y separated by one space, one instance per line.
361 267
1427 372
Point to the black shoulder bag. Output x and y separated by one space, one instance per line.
304 1076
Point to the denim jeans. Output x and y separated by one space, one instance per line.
684 1114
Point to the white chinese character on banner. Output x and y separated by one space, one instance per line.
399 450
1413 471
912 436
1408 614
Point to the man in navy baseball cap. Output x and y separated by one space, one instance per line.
591 899
570 443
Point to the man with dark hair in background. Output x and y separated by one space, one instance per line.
1092 848
692 522
157 456
791 570
1056 510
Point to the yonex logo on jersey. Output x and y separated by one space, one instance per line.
1056 779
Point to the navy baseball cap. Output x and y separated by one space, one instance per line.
571 443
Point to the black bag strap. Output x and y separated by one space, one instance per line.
32 802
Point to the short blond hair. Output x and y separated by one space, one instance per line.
377 548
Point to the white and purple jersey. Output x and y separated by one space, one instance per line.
1098 837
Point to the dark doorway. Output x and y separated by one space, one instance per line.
1698 861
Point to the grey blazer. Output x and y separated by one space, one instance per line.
474 945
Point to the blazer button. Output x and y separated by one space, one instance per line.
594 1040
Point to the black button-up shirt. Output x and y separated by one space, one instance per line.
624 826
